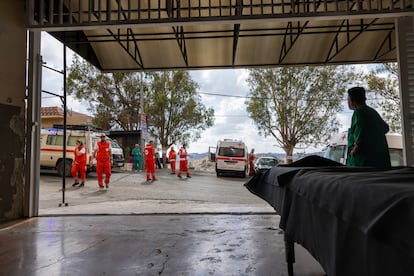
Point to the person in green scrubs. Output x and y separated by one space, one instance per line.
367 145
136 153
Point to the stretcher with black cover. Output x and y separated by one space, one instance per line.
354 221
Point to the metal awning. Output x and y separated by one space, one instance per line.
128 35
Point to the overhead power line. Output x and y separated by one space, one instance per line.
371 99
225 115
224 95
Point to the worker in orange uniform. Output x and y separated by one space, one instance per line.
172 157
79 164
149 152
251 164
103 155
183 161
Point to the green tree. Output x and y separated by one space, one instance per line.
384 79
297 105
175 113
112 98
174 110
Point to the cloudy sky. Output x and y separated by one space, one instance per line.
231 119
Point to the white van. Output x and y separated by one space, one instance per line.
51 148
337 148
231 156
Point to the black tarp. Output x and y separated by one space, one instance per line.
354 221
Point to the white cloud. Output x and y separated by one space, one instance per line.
232 119
52 77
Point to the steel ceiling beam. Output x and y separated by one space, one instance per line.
290 38
180 38
52 15
236 29
247 32
125 20
386 46
350 33
133 52
178 31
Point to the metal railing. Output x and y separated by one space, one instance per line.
49 14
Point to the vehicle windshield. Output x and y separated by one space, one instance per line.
113 143
396 156
335 153
231 152
267 162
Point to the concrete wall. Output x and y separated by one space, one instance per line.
405 39
12 108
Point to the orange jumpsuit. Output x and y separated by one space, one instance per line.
172 156
251 164
103 162
183 161
79 164
149 153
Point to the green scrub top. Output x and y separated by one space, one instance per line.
136 153
369 129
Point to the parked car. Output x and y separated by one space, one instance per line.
265 163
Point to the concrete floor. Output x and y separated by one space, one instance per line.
243 244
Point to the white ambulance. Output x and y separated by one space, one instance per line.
337 148
51 148
231 156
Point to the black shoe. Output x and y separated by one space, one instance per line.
179 176
75 184
188 176
82 184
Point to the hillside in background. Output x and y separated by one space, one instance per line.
280 156
199 161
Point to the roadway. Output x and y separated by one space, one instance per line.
129 193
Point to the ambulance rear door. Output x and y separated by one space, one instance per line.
231 156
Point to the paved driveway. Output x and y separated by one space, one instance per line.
129 193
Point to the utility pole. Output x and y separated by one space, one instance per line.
143 123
